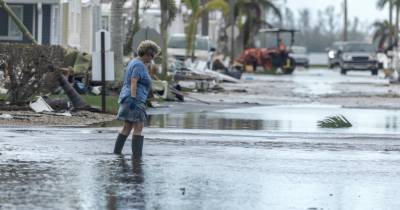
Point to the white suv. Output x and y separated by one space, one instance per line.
177 47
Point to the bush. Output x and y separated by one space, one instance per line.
26 71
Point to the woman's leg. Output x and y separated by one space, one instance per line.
137 128
123 134
137 140
127 128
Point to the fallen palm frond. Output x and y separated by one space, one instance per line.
335 122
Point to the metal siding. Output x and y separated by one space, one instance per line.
46 23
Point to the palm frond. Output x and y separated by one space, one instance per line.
216 5
381 3
172 10
338 121
269 5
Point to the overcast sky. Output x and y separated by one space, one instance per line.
365 10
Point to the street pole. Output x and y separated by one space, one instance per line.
345 35
232 15
103 72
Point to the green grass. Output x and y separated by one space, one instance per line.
95 102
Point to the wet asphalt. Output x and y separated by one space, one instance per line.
247 158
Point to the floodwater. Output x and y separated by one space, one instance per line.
206 161
261 157
73 168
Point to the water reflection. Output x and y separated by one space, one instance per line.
291 118
207 121
127 192
391 122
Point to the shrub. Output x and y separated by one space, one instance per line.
26 71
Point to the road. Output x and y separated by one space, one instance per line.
253 157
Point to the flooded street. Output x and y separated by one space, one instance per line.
267 155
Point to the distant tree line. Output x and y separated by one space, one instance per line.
317 32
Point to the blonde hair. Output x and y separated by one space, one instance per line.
146 47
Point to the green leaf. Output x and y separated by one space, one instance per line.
338 121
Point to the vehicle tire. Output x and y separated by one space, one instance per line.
291 67
343 71
374 72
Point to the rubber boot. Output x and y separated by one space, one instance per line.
137 146
119 144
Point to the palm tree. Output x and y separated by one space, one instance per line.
252 13
396 3
117 37
168 13
133 28
381 4
198 11
345 32
382 31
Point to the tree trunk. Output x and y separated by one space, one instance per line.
390 23
345 38
396 33
17 21
135 27
77 101
117 37
164 35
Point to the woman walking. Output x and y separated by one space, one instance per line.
133 96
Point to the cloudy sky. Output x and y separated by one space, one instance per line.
365 10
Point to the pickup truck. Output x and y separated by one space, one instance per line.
358 56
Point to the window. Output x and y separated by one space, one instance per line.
13 31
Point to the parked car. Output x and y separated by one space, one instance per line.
358 56
177 47
333 54
299 53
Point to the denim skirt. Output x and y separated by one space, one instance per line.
138 114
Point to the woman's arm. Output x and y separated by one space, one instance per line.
133 86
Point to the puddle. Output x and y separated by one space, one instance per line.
294 118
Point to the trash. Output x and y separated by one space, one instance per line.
3 91
249 78
67 114
6 116
80 87
40 105
202 86
96 90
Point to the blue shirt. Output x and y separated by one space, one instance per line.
136 69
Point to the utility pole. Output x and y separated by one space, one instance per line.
345 34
